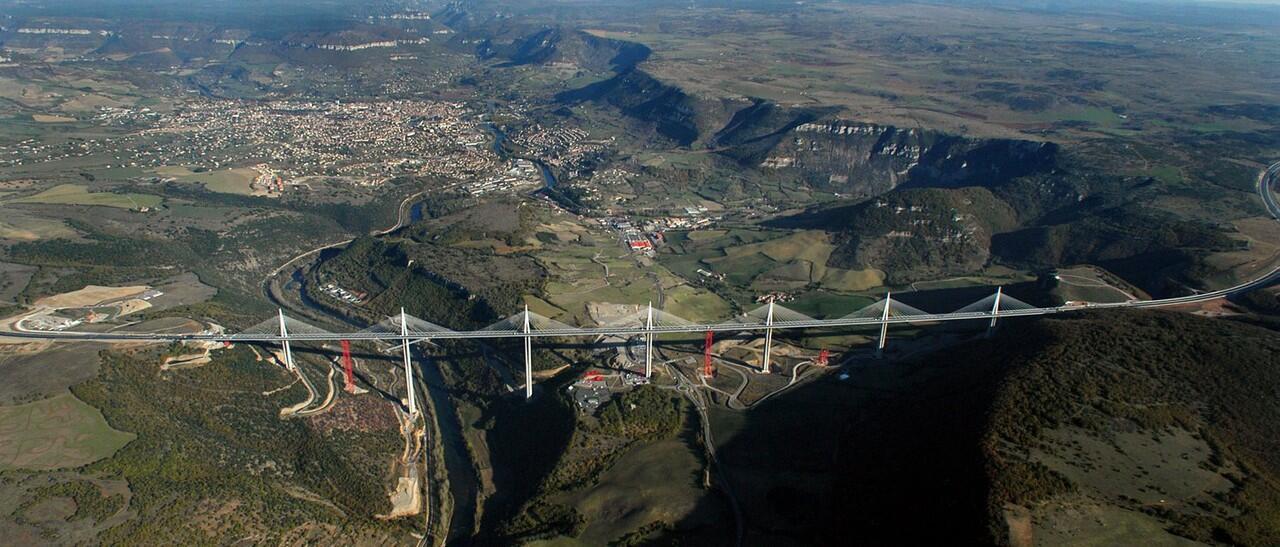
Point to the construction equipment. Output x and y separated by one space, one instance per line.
823 357
347 366
707 370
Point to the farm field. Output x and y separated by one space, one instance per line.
53 433
47 118
696 305
21 226
33 370
227 181
991 276
79 194
823 304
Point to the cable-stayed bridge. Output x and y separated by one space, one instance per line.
404 329
648 321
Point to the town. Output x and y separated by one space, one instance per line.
645 236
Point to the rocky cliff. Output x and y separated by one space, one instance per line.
867 159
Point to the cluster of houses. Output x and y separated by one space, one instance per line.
350 297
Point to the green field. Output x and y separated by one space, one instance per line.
828 305
542 307
694 305
22 227
741 268
838 279
53 433
79 194
227 181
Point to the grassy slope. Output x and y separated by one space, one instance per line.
57 432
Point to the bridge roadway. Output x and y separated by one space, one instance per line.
1266 181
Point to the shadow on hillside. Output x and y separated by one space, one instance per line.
890 456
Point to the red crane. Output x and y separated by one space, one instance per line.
346 367
707 370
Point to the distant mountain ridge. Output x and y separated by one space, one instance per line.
672 113
497 36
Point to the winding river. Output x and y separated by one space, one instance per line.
464 486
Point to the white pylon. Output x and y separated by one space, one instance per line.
284 343
995 310
648 344
408 363
528 357
884 324
768 336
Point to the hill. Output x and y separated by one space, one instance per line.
1115 428
671 113
1032 205
1161 421
859 158
917 234
1029 205
518 42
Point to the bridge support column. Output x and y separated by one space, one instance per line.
284 343
408 363
648 344
707 371
528 357
995 311
768 337
884 325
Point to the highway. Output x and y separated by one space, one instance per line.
1266 182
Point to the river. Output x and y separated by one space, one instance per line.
463 486
463 483
500 138
548 178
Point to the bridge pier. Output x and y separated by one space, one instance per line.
648 344
528 357
284 343
884 325
408 363
768 337
995 311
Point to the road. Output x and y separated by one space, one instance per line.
1266 189
402 220
690 391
